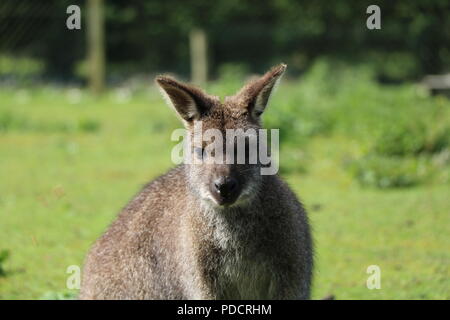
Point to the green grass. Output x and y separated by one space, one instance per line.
69 162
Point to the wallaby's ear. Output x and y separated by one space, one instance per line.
255 95
188 101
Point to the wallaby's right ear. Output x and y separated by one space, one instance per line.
189 102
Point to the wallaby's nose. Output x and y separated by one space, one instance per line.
225 190
225 185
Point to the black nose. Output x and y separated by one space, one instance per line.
225 189
225 185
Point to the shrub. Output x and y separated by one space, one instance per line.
389 172
295 125
406 139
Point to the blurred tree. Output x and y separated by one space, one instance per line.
199 56
96 46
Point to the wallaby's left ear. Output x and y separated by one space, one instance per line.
256 94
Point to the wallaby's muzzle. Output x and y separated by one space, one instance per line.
225 190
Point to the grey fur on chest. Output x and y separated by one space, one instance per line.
245 277
237 263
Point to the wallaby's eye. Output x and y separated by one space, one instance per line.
199 152
258 113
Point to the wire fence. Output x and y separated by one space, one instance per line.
155 36
35 43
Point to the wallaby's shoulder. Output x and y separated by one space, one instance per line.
278 193
149 202
164 187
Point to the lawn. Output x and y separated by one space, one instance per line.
70 161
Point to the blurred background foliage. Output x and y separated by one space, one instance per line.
363 140
152 36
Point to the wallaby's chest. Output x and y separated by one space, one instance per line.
244 278
236 267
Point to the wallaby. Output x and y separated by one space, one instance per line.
207 230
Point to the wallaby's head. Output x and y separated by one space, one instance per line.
221 173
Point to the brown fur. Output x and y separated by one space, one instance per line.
172 243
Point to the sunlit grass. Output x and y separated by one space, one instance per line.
60 188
